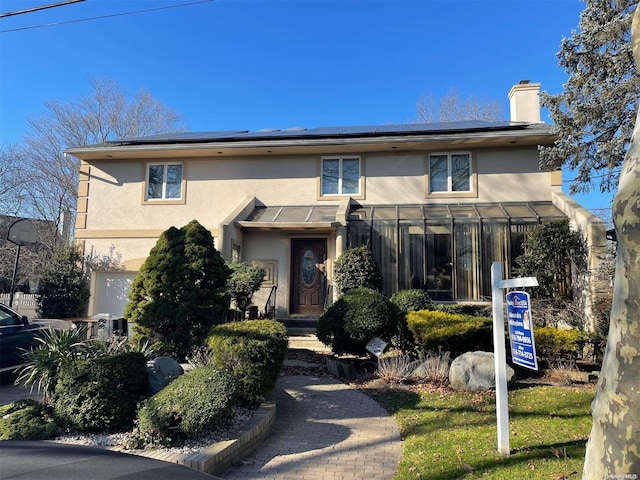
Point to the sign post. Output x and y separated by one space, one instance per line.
502 399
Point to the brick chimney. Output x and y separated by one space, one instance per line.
524 99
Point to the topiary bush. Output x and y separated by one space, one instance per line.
27 419
554 345
197 402
101 393
358 316
451 332
412 300
254 351
356 268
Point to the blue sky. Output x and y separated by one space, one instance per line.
250 64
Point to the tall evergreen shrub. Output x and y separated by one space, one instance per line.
179 293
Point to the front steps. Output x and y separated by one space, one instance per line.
302 334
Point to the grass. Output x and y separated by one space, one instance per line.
451 435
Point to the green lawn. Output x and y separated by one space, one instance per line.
454 435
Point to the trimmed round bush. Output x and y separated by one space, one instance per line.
27 419
412 300
358 316
101 393
407 301
356 268
254 351
199 401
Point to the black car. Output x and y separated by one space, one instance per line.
17 333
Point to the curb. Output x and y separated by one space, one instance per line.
220 456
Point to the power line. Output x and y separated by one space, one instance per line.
37 9
107 16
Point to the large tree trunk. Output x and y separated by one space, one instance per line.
613 450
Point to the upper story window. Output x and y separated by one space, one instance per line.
340 176
450 173
164 181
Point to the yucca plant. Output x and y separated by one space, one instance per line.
56 349
59 348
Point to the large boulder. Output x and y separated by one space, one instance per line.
474 371
161 371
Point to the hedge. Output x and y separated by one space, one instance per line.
101 393
196 402
253 351
452 332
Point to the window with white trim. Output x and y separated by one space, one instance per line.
340 176
164 181
449 172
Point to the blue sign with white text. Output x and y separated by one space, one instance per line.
523 347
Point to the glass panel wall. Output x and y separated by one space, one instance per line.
467 261
446 250
438 242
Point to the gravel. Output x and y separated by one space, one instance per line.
123 440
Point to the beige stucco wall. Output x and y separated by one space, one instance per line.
221 189
215 187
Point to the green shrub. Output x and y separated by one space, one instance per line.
358 316
254 351
199 401
451 332
412 300
554 345
356 268
244 281
101 393
27 419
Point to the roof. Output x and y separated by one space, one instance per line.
293 140
322 132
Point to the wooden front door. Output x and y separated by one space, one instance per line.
307 275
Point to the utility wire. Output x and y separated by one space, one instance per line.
107 16
37 9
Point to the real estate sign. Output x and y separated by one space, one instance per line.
523 347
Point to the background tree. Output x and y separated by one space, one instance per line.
594 114
243 282
63 290
108 113
179 294
38 181
452 108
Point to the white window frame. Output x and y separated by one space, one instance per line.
340 191
163 197
449 190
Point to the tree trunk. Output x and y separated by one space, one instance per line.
613 450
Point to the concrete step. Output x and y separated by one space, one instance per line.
307 341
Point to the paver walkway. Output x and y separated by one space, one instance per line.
324 430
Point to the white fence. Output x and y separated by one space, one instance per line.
24 303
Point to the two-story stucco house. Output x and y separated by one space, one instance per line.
437 203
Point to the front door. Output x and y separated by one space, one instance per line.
307 275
